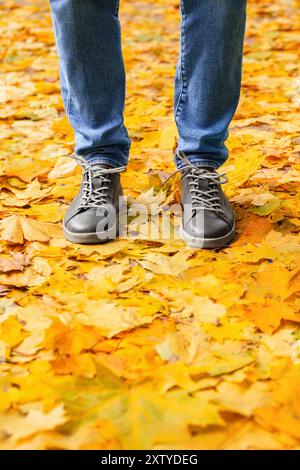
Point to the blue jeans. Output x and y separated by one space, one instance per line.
207 83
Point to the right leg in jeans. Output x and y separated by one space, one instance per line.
88 39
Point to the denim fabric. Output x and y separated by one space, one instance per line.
207 83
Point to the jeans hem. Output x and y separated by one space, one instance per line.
200 162
96 159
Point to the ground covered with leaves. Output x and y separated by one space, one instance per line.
145 343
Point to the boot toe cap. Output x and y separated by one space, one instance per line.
210 227
210 232
90 227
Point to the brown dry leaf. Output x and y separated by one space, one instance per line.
13 262
16 229
11 229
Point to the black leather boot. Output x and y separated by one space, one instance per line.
208 219
94 215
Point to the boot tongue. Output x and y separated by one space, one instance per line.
101 166
97 181
204 183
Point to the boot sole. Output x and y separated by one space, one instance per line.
207 243
93 238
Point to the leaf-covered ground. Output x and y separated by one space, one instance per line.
148 344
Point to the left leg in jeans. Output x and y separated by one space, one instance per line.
208 78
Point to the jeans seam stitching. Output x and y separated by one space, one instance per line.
182 65
122 127
117 8
125 134
68 104
61 55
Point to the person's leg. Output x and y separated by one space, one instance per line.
207 90
92 76
208 78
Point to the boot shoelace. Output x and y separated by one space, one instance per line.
95 197
202 199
